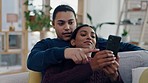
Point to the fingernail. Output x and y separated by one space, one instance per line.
112 52
113 55
113 61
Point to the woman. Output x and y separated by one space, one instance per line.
102 68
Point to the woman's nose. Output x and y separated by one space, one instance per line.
89 37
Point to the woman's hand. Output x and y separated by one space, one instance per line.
112 70
102 59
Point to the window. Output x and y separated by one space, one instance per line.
2 40
10 62
14 41
0 14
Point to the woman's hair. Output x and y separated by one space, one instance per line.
62 8
73 36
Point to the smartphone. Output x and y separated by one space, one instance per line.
113 44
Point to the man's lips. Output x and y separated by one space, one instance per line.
67 34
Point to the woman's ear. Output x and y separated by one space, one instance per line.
72 42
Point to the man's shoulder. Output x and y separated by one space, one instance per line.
101 40
51 39
56 42
101 43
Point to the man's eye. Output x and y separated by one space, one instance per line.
61 23
70 23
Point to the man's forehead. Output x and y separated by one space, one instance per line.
65 15
60 20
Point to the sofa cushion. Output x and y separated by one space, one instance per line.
139 75
15 78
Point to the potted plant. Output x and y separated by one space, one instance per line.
98 25
39 20
125 36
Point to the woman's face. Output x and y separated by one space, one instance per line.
85 38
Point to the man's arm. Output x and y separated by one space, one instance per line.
101 44
44 54
48 52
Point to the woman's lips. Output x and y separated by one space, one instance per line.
88 42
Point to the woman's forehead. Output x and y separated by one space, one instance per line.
86 29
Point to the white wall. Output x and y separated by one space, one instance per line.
103 11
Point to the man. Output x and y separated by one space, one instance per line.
52 51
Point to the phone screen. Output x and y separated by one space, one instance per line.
113 44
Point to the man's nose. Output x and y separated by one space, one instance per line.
67 27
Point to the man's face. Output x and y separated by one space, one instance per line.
64 24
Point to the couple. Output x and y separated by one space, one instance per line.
102 68
49 52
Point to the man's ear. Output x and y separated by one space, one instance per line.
72 42
77 21
53 24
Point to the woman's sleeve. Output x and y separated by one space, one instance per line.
76 74
119 79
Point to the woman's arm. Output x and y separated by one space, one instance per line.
77 74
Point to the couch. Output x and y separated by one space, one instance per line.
131 60
128 61
15 78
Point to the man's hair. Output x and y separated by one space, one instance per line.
62 8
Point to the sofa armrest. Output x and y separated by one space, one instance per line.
139 75
130 60
34 77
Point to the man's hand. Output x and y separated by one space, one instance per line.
78 55
102 59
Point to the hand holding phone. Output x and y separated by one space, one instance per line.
113 44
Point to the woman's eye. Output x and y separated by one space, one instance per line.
93 36
83 34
